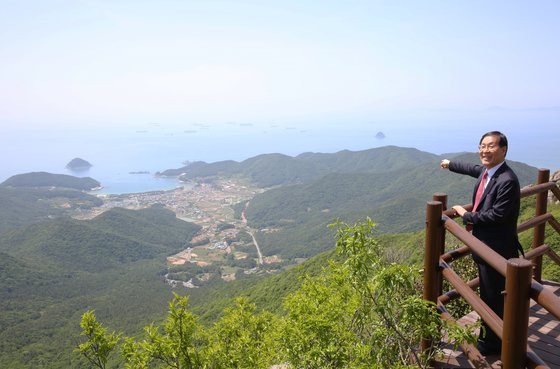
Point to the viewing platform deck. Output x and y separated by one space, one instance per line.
544 337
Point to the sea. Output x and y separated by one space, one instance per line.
126 156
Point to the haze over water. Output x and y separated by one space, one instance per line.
151 147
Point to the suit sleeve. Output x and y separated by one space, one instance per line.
473 170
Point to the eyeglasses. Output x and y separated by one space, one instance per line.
490 147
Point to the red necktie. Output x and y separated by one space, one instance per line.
478 197
480 191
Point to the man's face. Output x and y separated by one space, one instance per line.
490 152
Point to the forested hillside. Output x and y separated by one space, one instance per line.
50 273
24 205
396 199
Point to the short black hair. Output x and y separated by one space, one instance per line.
502 141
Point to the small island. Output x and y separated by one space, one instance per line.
78 164
380 135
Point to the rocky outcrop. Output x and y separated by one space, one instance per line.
554 177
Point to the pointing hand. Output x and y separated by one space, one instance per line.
444 164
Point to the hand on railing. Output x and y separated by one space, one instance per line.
459 210
452 213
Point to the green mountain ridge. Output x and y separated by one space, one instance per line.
277 169
394 199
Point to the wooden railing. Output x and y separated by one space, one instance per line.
523 275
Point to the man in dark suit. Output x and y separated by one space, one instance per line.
493 220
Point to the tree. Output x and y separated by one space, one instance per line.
99 344
363 312
317 331
179 345
392 318
242 339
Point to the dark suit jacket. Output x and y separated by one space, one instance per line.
495 222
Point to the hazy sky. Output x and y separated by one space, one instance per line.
115 61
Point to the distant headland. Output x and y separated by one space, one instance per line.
380 135
45 179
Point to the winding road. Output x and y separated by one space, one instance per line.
250 231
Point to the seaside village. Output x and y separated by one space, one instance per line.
223 239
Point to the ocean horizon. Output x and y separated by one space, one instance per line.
119 154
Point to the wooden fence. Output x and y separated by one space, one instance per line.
523 275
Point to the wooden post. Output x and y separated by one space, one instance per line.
431 255
441 197
516 314
538 231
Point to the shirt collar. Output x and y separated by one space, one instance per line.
493 170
